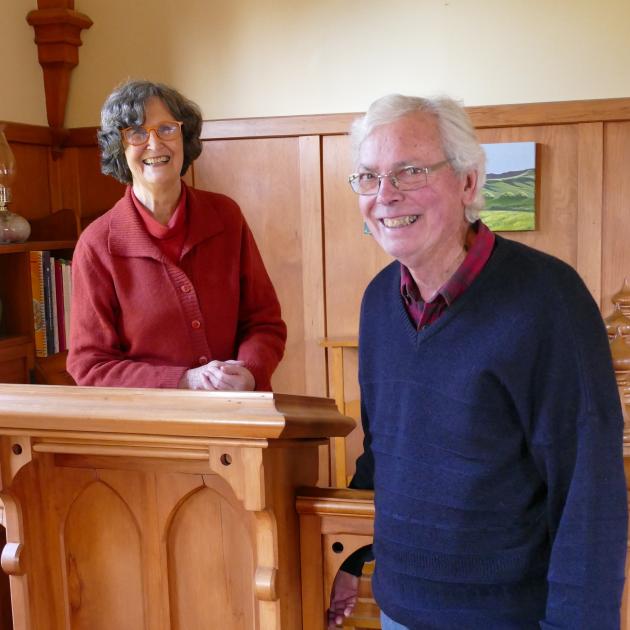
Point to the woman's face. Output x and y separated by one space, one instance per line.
156 165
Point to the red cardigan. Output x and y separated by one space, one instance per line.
138 320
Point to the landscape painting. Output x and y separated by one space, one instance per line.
510 190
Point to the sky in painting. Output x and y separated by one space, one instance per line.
503 157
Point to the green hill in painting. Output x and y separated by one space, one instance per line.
510 201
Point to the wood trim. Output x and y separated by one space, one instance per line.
12 248
523 114
58 37
590 181
560 113
179 413
321 124
82 137
27 134
338 444
313 257
329 501
340 342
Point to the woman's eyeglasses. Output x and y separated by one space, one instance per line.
138 134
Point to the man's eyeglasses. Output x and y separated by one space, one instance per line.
405 178
137 135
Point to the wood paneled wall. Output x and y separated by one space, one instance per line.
290 177
56 171
582 219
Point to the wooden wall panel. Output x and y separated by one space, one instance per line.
590 209
265 177
352 257
616 215
31 189
556 220
97 192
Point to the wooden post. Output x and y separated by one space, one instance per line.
58 37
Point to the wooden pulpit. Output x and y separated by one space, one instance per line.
156 509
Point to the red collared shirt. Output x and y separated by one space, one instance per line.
479 245
169 238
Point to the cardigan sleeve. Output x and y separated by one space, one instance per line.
261 331
576 440
95 356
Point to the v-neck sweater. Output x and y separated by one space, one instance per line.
493 440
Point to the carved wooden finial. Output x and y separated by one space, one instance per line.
58 37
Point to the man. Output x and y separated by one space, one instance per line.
493 429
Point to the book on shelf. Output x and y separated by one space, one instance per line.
66 272
48 303
51 284
39 308
59 305
53 305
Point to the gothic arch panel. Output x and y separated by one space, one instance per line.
211 564
103 561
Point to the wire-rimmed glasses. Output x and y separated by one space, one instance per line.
405 178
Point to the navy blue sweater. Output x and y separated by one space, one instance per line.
493 440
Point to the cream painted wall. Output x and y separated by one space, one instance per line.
281 57
21 82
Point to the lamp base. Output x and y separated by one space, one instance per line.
13 227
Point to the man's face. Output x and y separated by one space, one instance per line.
418 227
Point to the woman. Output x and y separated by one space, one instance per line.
169 289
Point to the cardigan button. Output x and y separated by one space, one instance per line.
203 360
185 288
195 324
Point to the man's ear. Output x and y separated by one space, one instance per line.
470 187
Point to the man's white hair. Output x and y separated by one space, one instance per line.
459 141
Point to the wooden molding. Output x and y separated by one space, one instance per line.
324 501
58 37
82 137
558 113
27 134
535 114
525 114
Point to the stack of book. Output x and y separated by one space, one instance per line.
51 283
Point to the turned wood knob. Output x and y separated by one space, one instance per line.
265 583
11 559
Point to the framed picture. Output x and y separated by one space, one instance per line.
510 189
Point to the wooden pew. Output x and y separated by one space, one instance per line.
333 524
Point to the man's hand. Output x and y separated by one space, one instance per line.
343 598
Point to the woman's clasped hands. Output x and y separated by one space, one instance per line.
219 376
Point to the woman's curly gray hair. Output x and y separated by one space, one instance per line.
459 141
124 107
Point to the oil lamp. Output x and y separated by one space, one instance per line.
13 227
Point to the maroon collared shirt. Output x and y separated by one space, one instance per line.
479 245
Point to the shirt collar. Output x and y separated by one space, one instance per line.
479 245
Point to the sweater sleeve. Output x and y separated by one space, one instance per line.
261 332
576 440
95 356
363 478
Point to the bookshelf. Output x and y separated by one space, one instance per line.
17 349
